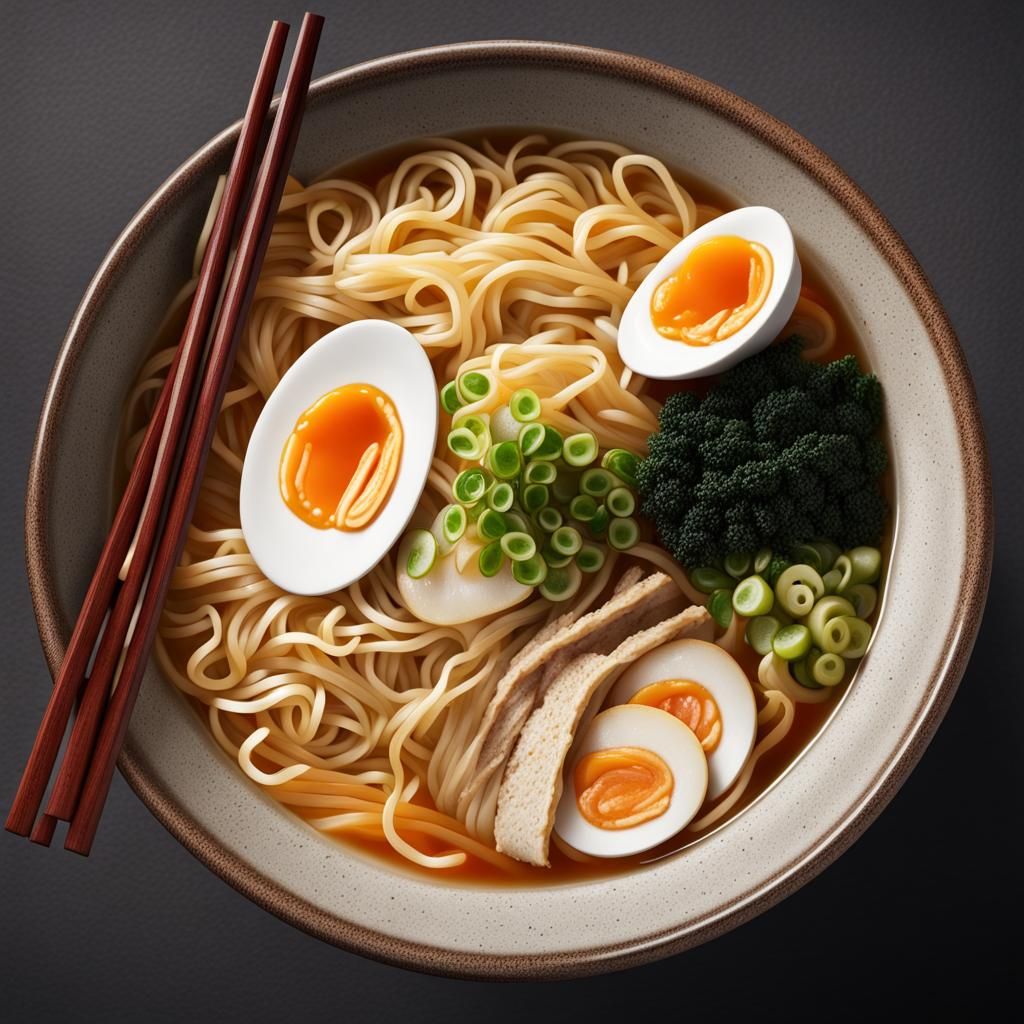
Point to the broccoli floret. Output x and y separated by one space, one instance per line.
779 451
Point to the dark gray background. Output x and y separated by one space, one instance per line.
920 103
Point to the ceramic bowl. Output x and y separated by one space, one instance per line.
873 739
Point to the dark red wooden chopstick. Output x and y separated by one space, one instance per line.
157 444
241 283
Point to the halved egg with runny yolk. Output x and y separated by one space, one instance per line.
340 461
720 287
704 688
635 778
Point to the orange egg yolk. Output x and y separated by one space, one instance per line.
622 787
688 701
341 460
717 290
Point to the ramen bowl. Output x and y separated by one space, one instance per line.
871 741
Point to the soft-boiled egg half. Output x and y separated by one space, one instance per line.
635 779
720 295
703 687
339 457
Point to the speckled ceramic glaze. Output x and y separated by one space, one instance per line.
874 737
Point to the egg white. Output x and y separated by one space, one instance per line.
633 725
719 673
647 352
296 556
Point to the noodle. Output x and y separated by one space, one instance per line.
347 708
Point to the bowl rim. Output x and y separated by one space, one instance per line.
244 876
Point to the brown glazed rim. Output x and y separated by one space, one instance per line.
246 877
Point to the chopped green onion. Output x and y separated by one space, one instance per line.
566 485
867 564
598 525
524 405
623 533
561 584
798 587
450 400
720 607
760 633
530 573
863 597
623 464
478 423
832 580
828 669
518 546
752 597
835 636
566 540
621 502
421 553
583 507
808 555
550 447
540 473
473 386
762 560
801 669
531 437
491 525
736 564
515 520
470 486
453 522
823 612
596 482
534 497
827 553
490 559
500 496
503 460
554 559
792 642
860 637
548 518
464 443
580 449
708 579
590 558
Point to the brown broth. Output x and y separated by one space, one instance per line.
809 718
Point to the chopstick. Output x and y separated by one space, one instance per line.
81 786
241 284
71 676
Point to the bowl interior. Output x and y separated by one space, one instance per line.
872 740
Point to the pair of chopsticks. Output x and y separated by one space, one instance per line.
116 624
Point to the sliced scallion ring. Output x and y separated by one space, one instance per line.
753 597
554 559
561 584
518 546
530 572
623 533
504 460
590 558
491 525
737 564
579 449
792 642
720 607
621 502
596 482
566 540
531 437
473 386
599 524
490 559
550 447
524 405
534 497
622 463
450 400
540 473
464 443
548 518
760 633
470 486
421 553
500 496
453 522
583 507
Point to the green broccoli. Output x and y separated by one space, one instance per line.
780 451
